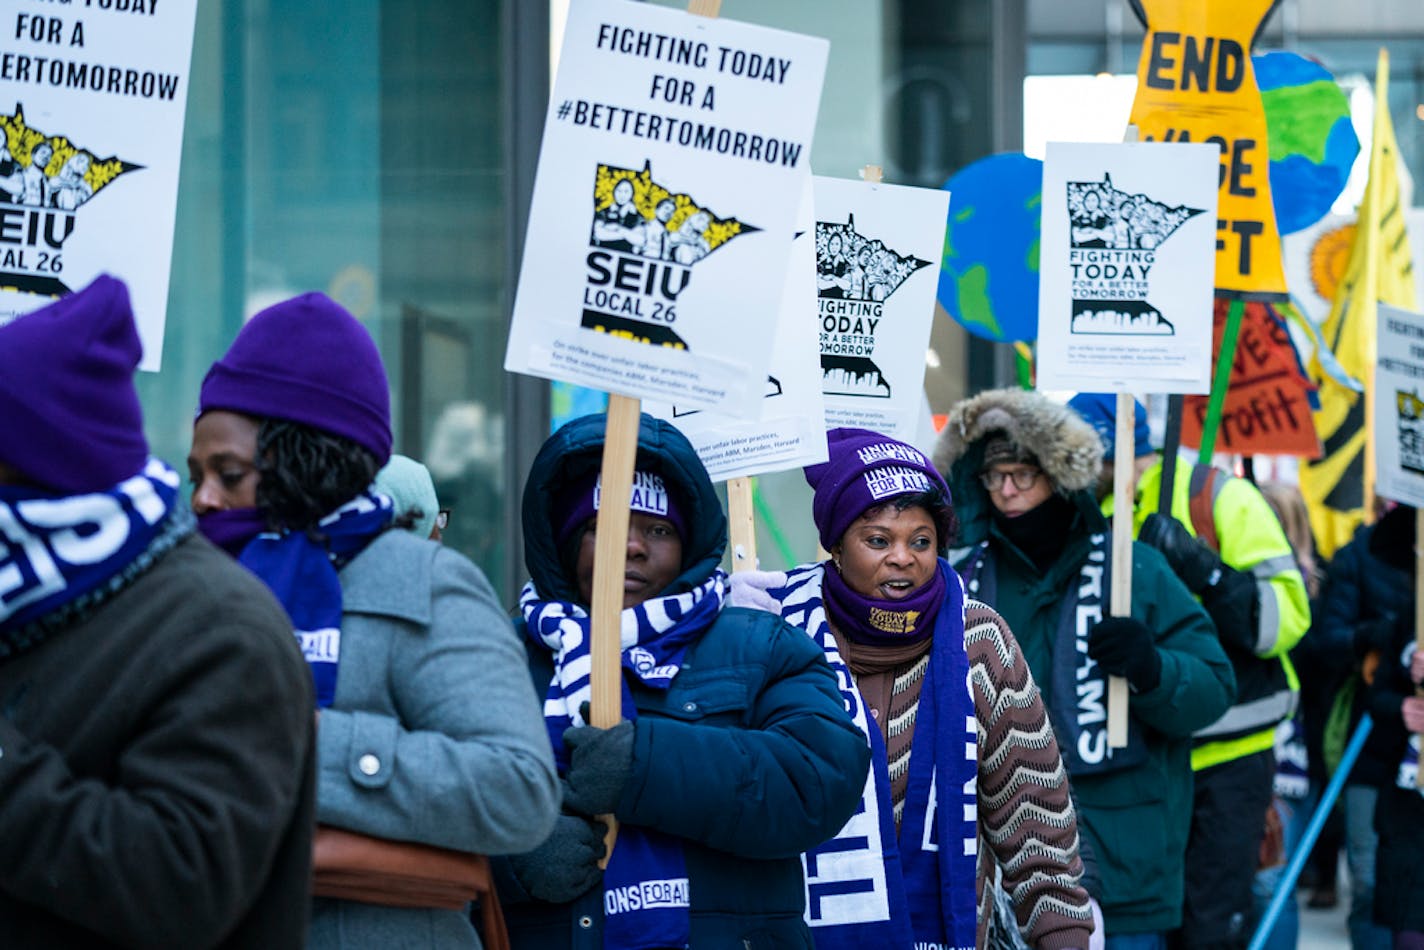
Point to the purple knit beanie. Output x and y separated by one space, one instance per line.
865 469
306 360
579 503
72 418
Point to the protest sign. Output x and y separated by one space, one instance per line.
1267 406
1399 406
664 204
92 99
791 430
1125 267
878 249
1196 83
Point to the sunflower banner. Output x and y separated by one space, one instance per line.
1339 487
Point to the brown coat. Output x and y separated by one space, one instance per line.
156 769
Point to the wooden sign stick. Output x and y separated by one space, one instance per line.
1121 558
1121 606
610 558
1419 610
741 524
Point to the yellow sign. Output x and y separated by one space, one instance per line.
1338 488
1195 83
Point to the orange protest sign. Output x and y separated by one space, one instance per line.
1195 83
1267 409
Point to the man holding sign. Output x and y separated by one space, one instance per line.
1022 468
1224 542
736 753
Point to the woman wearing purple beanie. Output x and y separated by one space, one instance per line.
428 729
965 773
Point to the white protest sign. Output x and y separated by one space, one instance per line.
1126 267
1399 406
92 97
664 205
878 250
791 431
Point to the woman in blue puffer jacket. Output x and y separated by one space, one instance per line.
736 753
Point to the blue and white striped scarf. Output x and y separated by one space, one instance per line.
655 636
62 554
864 887
302 573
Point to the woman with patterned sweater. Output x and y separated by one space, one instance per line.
962 753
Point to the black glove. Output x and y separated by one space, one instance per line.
1233 601
1196 564
1124 647
600 762
565 866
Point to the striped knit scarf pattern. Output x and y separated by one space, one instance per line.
868 886
654 636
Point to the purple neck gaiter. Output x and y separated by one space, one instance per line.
232 528
882 622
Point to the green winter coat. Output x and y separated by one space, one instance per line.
1135 821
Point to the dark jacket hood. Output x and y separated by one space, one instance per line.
1066 446
575 451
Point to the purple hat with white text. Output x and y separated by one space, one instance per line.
865 469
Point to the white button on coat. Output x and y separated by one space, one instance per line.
368 764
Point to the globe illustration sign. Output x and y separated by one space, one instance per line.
1312 142
989 272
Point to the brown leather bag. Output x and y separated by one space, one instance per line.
356 867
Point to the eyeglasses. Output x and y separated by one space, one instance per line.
1023 478
442 518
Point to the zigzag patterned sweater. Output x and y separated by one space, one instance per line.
1026 820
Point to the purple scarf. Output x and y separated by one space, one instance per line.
232 528
882 622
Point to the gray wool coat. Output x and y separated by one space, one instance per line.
435 734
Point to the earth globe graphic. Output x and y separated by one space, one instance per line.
989 270
1312 142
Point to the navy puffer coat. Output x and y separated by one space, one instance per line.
750 758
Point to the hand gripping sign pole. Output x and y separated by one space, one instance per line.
610 557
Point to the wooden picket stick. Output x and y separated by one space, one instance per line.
710 8
610 559
741 517
1419 612
1121 606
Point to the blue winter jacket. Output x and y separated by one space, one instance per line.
750 757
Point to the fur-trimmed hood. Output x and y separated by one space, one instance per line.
1066 446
